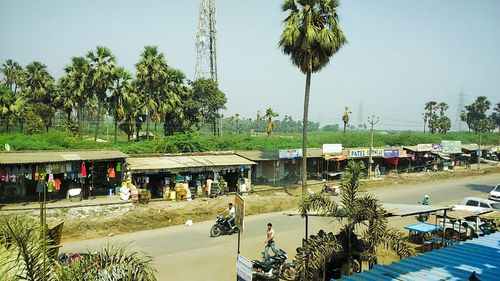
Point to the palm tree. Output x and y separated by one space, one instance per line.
122 85
101 77
311 36
13 72
7 101
77 84
151 76
430 108
345 117
65 99
24 256
270 114
349 245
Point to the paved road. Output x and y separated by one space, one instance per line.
188 253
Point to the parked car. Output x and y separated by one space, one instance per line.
481 203
495 193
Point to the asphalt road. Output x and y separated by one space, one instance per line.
189 253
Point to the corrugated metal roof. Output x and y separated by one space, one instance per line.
184 162
314 152
259 155
58 156
457 262
410 209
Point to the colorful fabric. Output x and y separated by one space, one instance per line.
57 184
40 186
111 173
83 170
119 167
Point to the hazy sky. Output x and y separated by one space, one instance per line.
400 53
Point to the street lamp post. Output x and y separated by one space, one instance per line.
372 123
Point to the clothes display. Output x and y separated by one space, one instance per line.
83 170
111 173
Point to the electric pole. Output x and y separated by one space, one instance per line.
372 122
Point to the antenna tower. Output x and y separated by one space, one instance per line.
360 116
460 107
206 59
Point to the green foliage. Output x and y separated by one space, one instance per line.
210 100
331 128
475 115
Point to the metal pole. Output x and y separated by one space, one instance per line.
479 151
444 228
372 122
239 233
307 226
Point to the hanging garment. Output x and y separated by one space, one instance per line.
111 173
83 170
40 186
51 178
56 169
57 184
50 186
48 169
69 167
119 167
3 174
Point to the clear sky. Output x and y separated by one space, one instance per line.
400 55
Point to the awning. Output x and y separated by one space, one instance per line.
422 227
259 155
457 215
335 157
182 162
59 156
404 210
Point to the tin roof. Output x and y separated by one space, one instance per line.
457 262
404 210
58 156
169 162
259 155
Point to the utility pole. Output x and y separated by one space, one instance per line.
372 122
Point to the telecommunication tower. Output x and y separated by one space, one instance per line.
360 116
460 107
206 59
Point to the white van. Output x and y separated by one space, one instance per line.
495 193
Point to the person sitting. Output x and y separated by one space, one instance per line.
231 213
426 200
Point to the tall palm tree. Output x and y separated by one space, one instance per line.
78 84
311 36
350 243
151 76
122 86
7 101
431 108
65 98
345 117
270 114
13 72
101 77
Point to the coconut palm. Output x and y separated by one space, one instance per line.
25 256
311 36
270 114
13 72
7 102
151 76
65 99
345 117
363 229
101 78
122 85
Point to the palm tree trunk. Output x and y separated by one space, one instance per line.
344 127
97 121
116 128
154 132
68 118
304 133
148 114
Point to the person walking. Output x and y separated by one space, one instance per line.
269 241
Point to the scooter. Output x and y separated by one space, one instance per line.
331 189
269 268
221 226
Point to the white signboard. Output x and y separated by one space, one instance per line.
290 153
243 268
454 147
332 148
424 147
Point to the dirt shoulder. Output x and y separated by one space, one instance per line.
99 220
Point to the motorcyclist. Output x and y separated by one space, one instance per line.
231 213
426 200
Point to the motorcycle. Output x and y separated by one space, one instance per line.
270 268
331 189
221 226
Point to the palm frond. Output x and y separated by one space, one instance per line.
317 202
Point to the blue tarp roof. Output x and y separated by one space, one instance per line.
457 262
423 227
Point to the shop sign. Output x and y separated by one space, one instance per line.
290 153
239 215
391 153
402 153
361 153
437 147
332 148
424 147
243 268
452 147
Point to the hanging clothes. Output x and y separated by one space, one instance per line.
83 170
119 167
40 186
111 173
57 184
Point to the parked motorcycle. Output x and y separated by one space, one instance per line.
331 189
221 227
269 268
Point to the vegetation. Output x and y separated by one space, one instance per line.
23 256
345 117
311 36
439 123
94 87
475 115
353 244
270 114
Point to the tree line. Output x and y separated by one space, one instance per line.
95 86
475 116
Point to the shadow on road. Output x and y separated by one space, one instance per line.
480 187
